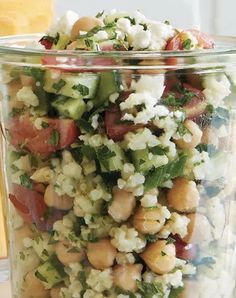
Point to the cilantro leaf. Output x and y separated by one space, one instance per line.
26 181
54 138
148 290
156 178
83 90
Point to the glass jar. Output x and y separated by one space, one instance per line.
120 171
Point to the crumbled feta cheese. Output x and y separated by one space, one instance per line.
101 35
64 24
23 163
131 181
125 258
149 199
127 239
217 87
152 84
100 280
113 97
177 224
171 279
27 96
139 38
43 175
141 139
95 121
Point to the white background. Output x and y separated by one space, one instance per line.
213 16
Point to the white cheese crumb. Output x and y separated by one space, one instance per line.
27 96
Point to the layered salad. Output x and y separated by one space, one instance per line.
120 180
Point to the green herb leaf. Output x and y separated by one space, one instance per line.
59 85
159 150
83 90
36 73
151 238
77 154
45 124
150 290
85 125
82 279
54 138
100 14
156 178
26 181
88 152
80 222
92 237
187 44
175 293
120 291
103 156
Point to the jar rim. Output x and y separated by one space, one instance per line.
13 45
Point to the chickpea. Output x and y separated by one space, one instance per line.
160 257
64 255
52 199
33 287
55 292
22 233
84 24
101 254
122 204
184 195
190 289
148 221
199 229
209 136
125 276
196 136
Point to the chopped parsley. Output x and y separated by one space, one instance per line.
151 238
103 156
82 89
36 73
92 237
159 150
59 85
100 14
187 44
26 181
179 100
54 138
150 290
156 178
84 125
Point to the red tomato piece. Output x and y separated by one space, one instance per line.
204 40
196 106
46 43
31 206
24 132
185 251
116 130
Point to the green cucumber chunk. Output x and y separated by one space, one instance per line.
62 42
111 158
81 85
109 84
70 107
51 273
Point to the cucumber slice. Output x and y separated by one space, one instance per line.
109 83
70 107
51 273
82 85
111 158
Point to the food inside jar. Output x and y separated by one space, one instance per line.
117 176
